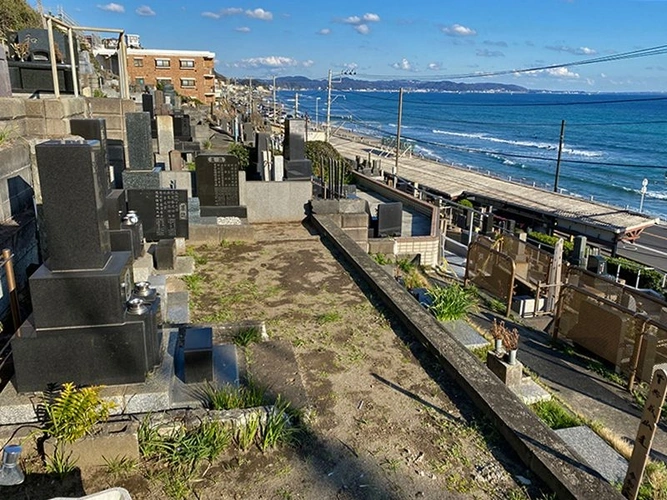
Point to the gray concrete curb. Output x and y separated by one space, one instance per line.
544 452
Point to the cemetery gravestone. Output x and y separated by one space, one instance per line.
163 212
389 220
218 186
295 139
140 145
147 104
79 295
94 129
116 153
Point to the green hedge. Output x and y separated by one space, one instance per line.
568 246
649 278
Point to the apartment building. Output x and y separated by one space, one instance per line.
189 71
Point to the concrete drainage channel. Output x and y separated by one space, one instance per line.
540 448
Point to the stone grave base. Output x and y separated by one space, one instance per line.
530 392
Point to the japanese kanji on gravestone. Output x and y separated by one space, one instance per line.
163 212
219 185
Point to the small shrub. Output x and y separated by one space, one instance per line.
555 415
465 203
482 352
381 259
452 302
74 412
568 246
247 336
414 279
241 152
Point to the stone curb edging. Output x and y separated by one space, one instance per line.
541 449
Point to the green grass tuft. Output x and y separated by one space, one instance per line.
453 302
247 336
227 397
555 415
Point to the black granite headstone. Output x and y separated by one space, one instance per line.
116 208
217 180
165 254
140 142
148 311
147 104
198 355
75 214
390 218
94 129
182 128
298 170
294 145
38 45
116 152
163 212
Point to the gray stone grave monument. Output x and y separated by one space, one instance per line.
82 329
116 153
141 172
389 219
5 83
219 186
163 212
294 145
95 129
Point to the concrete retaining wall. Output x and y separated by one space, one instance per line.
45 118
537 445
113 111
277 201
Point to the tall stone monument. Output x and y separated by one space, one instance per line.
83 329
220 185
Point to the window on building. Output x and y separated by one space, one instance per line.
162 63
187 63
188 82
140 82
138 63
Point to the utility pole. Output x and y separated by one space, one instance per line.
275 118
327 134
560 152
398 132
250 97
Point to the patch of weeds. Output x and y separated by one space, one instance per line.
59 463
456 482
381 259
194 283
199 259
391 464
228 397
329 317
640 393
482 352
120 466
495 305
555 415
517 494
654 485
247 336
453 302
6 135
272 291
598 367
277 429
229 244
245 435
222 316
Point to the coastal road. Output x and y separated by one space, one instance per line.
650 249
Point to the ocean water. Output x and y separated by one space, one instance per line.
612 142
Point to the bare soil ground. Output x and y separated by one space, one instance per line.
384 420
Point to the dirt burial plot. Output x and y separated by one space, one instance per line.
384 420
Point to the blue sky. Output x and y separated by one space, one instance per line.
418 39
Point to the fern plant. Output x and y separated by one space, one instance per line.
74 412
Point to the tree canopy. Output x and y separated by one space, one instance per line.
16 15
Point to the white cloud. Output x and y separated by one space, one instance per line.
243 29
352 20
324 31
562 73
458 30
267 62
262 14
369 17
231 11
112 7
308 63
211 15
362 29
434 66
404 65
145 10
577 51
360 23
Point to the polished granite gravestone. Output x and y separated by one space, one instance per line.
147 104
294 144
389 219
81 329
116 208
298 170
94 129
163 212
116 153
218 186
140 142
182 127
